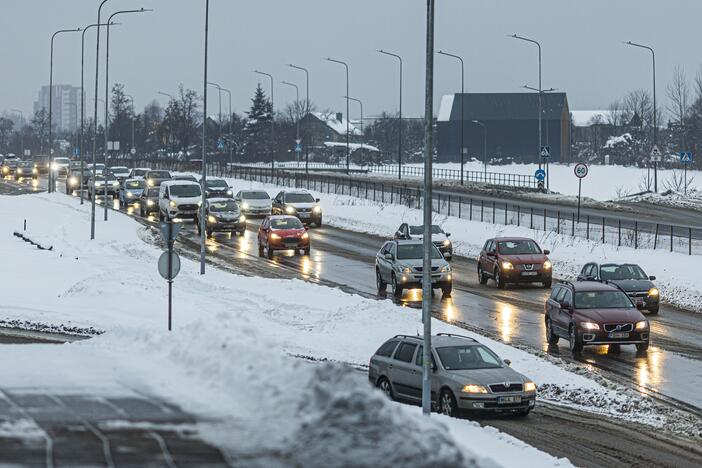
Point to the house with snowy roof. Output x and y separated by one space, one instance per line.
326 132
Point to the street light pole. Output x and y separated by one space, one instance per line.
21 131
219 92
477 122
229 93
348 146
131 98
203 179
297 106
51 99
272 120
307 109
541 93
462 148
655 110
399 132
363 136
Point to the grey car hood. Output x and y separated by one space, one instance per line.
487 376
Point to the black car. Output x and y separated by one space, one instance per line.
154 178
630 278
73 180
217 188
25 170
8 166
148 201
223 215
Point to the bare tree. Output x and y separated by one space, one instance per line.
679 96
615 116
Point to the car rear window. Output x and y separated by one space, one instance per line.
160 174
622 272
387 348
136 184
405 352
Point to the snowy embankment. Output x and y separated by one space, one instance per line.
230 358
676 273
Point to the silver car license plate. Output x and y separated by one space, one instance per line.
509 399
529 273
618 335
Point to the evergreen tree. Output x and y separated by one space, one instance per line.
257 129
121 118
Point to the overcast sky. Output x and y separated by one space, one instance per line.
582 50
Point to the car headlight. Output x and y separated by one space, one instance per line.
274 236
242 218
199 203
653 292
289 209
72 180
547 265
474 388
305 236
229 192
35 171
130 194
529 386
589 326
115 184
150 182
244 206
19 171
173 204
507 266
5 170
446 269
149 203
642 325
211 219
446 243
54 166
317 209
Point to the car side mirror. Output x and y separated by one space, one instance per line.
388 256
317 200
546 252
582 278
448 234
566 306
490 254
398 234
508 362
652 278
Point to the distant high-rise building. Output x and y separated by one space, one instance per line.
66 106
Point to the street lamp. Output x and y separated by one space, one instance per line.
219 93
203 179
131 98
307 109
363 153
272 119
21 131
348 147
543 91
462 146
477 122
229 93
399 131
51 99
655 110
297 106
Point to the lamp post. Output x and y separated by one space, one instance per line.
131 98
399 130
541 93
107 88
51 99
231 131
538 45
655 109
363 136
307 109
297 105
272 119
348 146
462 148
203 179
21 131
219 93
477 122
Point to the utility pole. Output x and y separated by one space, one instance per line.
203 179
462 144
399 130
307 109
363 135
348 129
131 98
21 132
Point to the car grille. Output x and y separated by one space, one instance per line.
509 387
615 327
303 210
637 293
291 240
187 207
528 266
421 269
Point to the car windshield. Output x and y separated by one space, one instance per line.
286 223
119 169
255 196
152 193
185 177
135 184
229 205
419 230
26 164
299 198
602 300
139 172
468 357
217 183
518 247
62 160
160 174
185 190
414 251
622 272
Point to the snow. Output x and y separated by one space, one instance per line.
339 126
623 139
353 146
445 108
230 357
585 118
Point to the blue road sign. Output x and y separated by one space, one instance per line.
686 157
540 174
76 151
220 144
298 148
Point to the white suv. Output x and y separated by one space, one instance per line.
179 199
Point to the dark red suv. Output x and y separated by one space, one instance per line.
594 313
514 260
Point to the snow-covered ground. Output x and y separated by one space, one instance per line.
230 358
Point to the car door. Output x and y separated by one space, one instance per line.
278 203
564 314
418 373
552 305
380 260
263 233
490 259
404 370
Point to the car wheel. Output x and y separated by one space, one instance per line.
482 277
260 250
319 222
160 215
551 337
270 253
396 288
446 290
653 311
141 212
642 347
576 344
498 279
447 404
547 284
209 232
385 387
380 284
306 251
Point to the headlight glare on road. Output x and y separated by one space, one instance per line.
529 386
474 388
507 266
653 292
317 209
547 265
642 325
289 210
589 326
211 219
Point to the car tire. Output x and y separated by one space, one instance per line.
574 341
446 290
385 387
654 311
208 232
642 347
447 404
547 284
260 250
270 253
379 283
141 212
522 413
482 277
306 251
499 282
396 288
319 222
551 337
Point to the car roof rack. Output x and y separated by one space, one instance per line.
457 335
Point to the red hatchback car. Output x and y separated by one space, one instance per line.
282 233
514 260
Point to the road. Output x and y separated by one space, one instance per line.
670 370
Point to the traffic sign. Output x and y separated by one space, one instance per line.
686 157
298 148
133 150
27 152
540 175
220 144
113 146
545 151
174 229
76 151
656 154
540 185
163 265
580 170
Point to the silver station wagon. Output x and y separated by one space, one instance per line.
467 376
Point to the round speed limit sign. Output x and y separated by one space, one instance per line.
580 170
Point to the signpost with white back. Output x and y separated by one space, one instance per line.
686 159
580 171
169 261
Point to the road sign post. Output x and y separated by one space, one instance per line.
545 154
540 175
686 159
580 171
169 261
656 157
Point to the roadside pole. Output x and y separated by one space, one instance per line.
169 262
580 171
427 244
685 159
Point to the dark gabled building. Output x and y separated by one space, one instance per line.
512 124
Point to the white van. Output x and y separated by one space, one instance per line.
179 199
